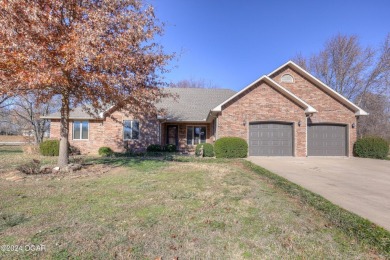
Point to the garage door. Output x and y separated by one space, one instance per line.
270 139
326 140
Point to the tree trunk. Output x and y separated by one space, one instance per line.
36 134
63 158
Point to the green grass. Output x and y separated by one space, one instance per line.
353 225
12 156
10 149
144 209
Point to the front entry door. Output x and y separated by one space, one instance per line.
172 132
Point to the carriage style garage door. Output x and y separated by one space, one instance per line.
270 139
326 140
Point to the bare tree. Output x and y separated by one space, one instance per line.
86 52
5 101
201 83
6 124
28 112
349 68
378 123
360 74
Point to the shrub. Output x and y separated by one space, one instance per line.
208 150
170 148
371 147
50 148
154 148
105 151
231 147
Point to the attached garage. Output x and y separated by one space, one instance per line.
270 139
327 140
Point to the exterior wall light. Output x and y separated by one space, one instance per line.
299 123
353 125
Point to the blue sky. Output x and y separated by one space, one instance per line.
232 43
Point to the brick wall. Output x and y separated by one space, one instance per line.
109 132
329 109
262 103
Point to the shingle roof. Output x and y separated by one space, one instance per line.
76 113
191 104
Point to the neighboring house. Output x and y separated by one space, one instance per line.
285 113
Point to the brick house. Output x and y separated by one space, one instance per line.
285 113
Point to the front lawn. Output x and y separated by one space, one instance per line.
11 156
144 209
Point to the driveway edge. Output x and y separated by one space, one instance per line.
351 224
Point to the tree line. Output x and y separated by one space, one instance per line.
360 73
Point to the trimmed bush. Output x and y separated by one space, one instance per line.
170 148
208 150
231 147
371 147
105 151
50 148
154 148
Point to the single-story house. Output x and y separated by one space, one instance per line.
288 112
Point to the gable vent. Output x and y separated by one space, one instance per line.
287 78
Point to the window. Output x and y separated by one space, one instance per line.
80 130
130 130
196 135
287 78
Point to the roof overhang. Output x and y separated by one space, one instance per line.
308 109
72 118
184 121
358 111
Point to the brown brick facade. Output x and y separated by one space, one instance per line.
109 132
262 103
329 109
259 103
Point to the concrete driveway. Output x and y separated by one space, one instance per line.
359 185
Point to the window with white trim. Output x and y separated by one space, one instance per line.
80 130
130 130
287 78
196 135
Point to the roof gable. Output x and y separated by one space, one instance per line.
358 111
308 109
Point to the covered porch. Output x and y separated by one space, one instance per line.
186 135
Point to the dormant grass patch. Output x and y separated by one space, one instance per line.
145 209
